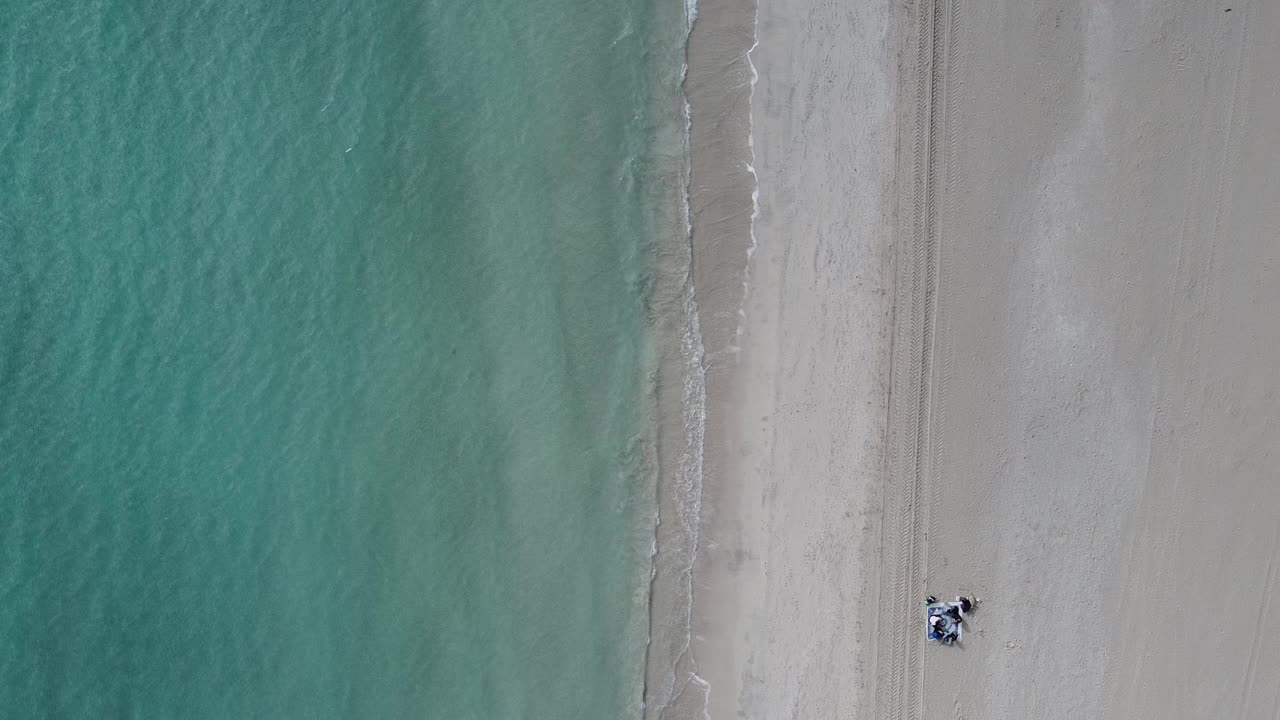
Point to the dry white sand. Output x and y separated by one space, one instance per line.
1012 329
1106 369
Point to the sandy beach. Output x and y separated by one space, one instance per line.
1002 323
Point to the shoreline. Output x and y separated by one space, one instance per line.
701 288
794 329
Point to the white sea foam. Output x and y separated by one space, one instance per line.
686 484
755 179
678 673
706 695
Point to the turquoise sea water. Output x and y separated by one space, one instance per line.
323 357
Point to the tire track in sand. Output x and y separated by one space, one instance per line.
907 494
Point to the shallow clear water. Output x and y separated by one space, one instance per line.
324 356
